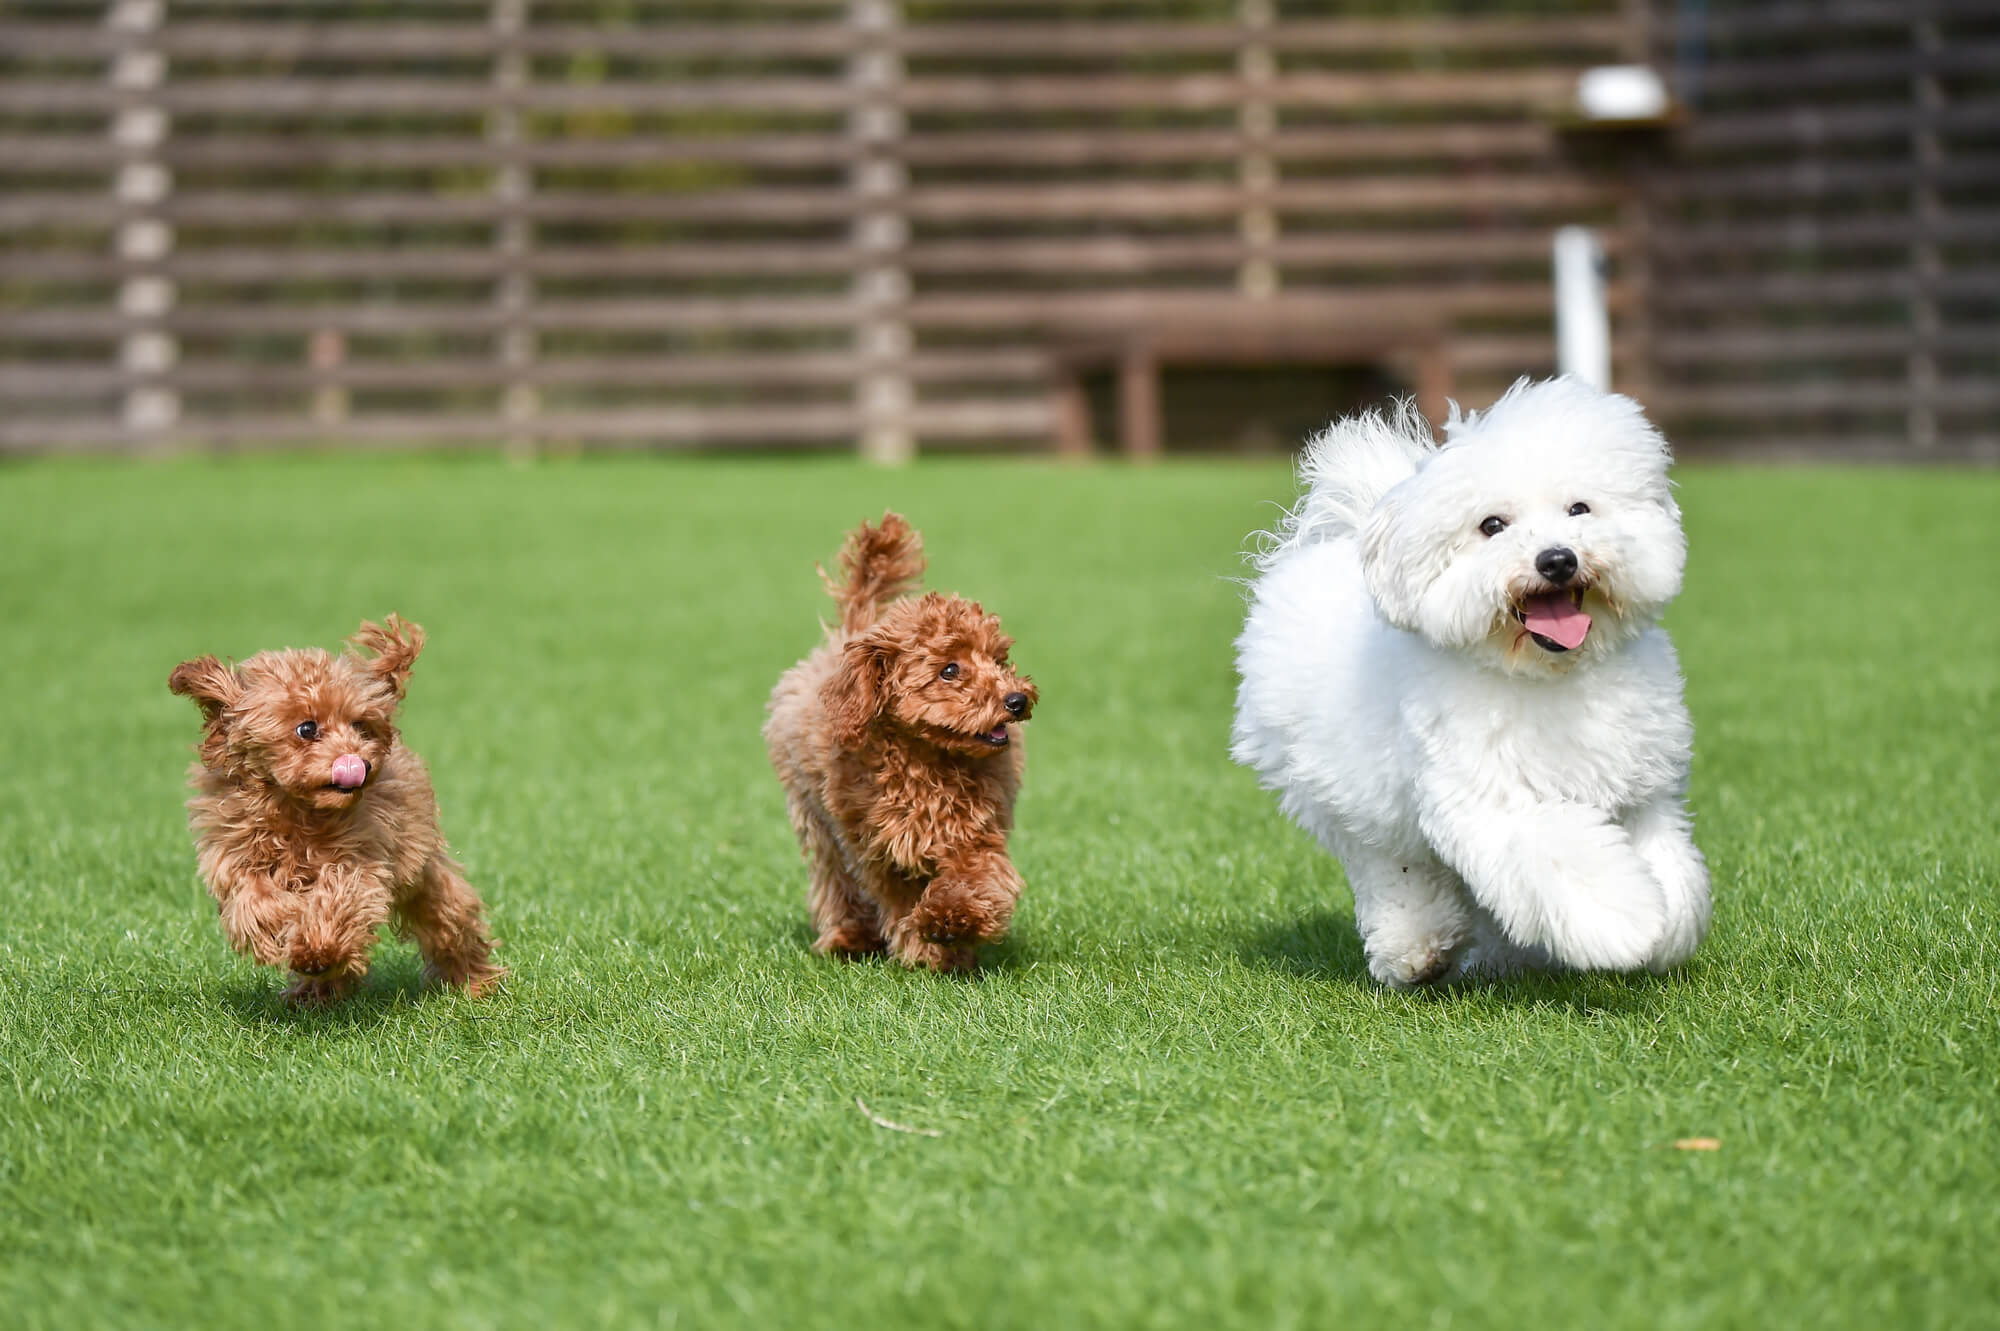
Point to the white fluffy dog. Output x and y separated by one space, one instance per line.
1453 677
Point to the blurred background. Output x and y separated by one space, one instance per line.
549 225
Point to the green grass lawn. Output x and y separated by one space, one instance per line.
1171 1099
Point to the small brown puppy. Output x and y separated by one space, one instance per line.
899 747
314 824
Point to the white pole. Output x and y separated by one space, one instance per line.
1583 325
145 239
884 394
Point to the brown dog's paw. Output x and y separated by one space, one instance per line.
316 951
953 918
320 990
937 957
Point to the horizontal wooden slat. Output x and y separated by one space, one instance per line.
990 365
964 93
1744 292
256 208
664 425
278 96
1084 147
1484 297
1019 364
245 264
937 37
1828 395
386 318
1817 17
1333 305
1140 200
1753 439
312 151
1817 126
1814 176
1815 234
1109 254
1074 39
1752 349
1020 419
1050 148
1194 92
1794 70
936 203
1385 251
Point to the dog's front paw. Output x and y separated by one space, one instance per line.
319 950
321 990
1611 930
943 959
1427 963
950 918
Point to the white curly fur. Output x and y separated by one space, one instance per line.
1498 803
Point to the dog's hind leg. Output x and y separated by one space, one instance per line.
845 919
445 916
1412 913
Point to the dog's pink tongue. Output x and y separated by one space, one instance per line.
349 771
1556 618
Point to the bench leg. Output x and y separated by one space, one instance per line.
1433 381
1072 416
1139 405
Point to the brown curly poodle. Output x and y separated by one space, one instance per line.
898 741
314 825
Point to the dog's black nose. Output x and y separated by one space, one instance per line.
1015 703
1557 564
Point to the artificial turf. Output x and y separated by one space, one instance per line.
1173 1099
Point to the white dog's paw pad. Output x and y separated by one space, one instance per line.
1421 965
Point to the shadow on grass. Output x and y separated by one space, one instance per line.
1325 945
1007 956
397 985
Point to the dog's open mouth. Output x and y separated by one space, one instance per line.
997 737
1555 620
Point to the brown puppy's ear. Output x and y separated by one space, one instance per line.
394 644
209 682
857 691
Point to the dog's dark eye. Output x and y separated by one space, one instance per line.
1493 526
307 730
1578 509
949 672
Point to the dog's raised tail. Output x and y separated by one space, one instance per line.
1346 469
878 564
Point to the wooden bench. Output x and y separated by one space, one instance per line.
1136 350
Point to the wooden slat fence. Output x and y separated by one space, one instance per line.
1826 245
811 222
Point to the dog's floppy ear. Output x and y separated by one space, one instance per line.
388 650
858 690
209 682
1396 560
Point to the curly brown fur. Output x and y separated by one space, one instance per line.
898 741
314 825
